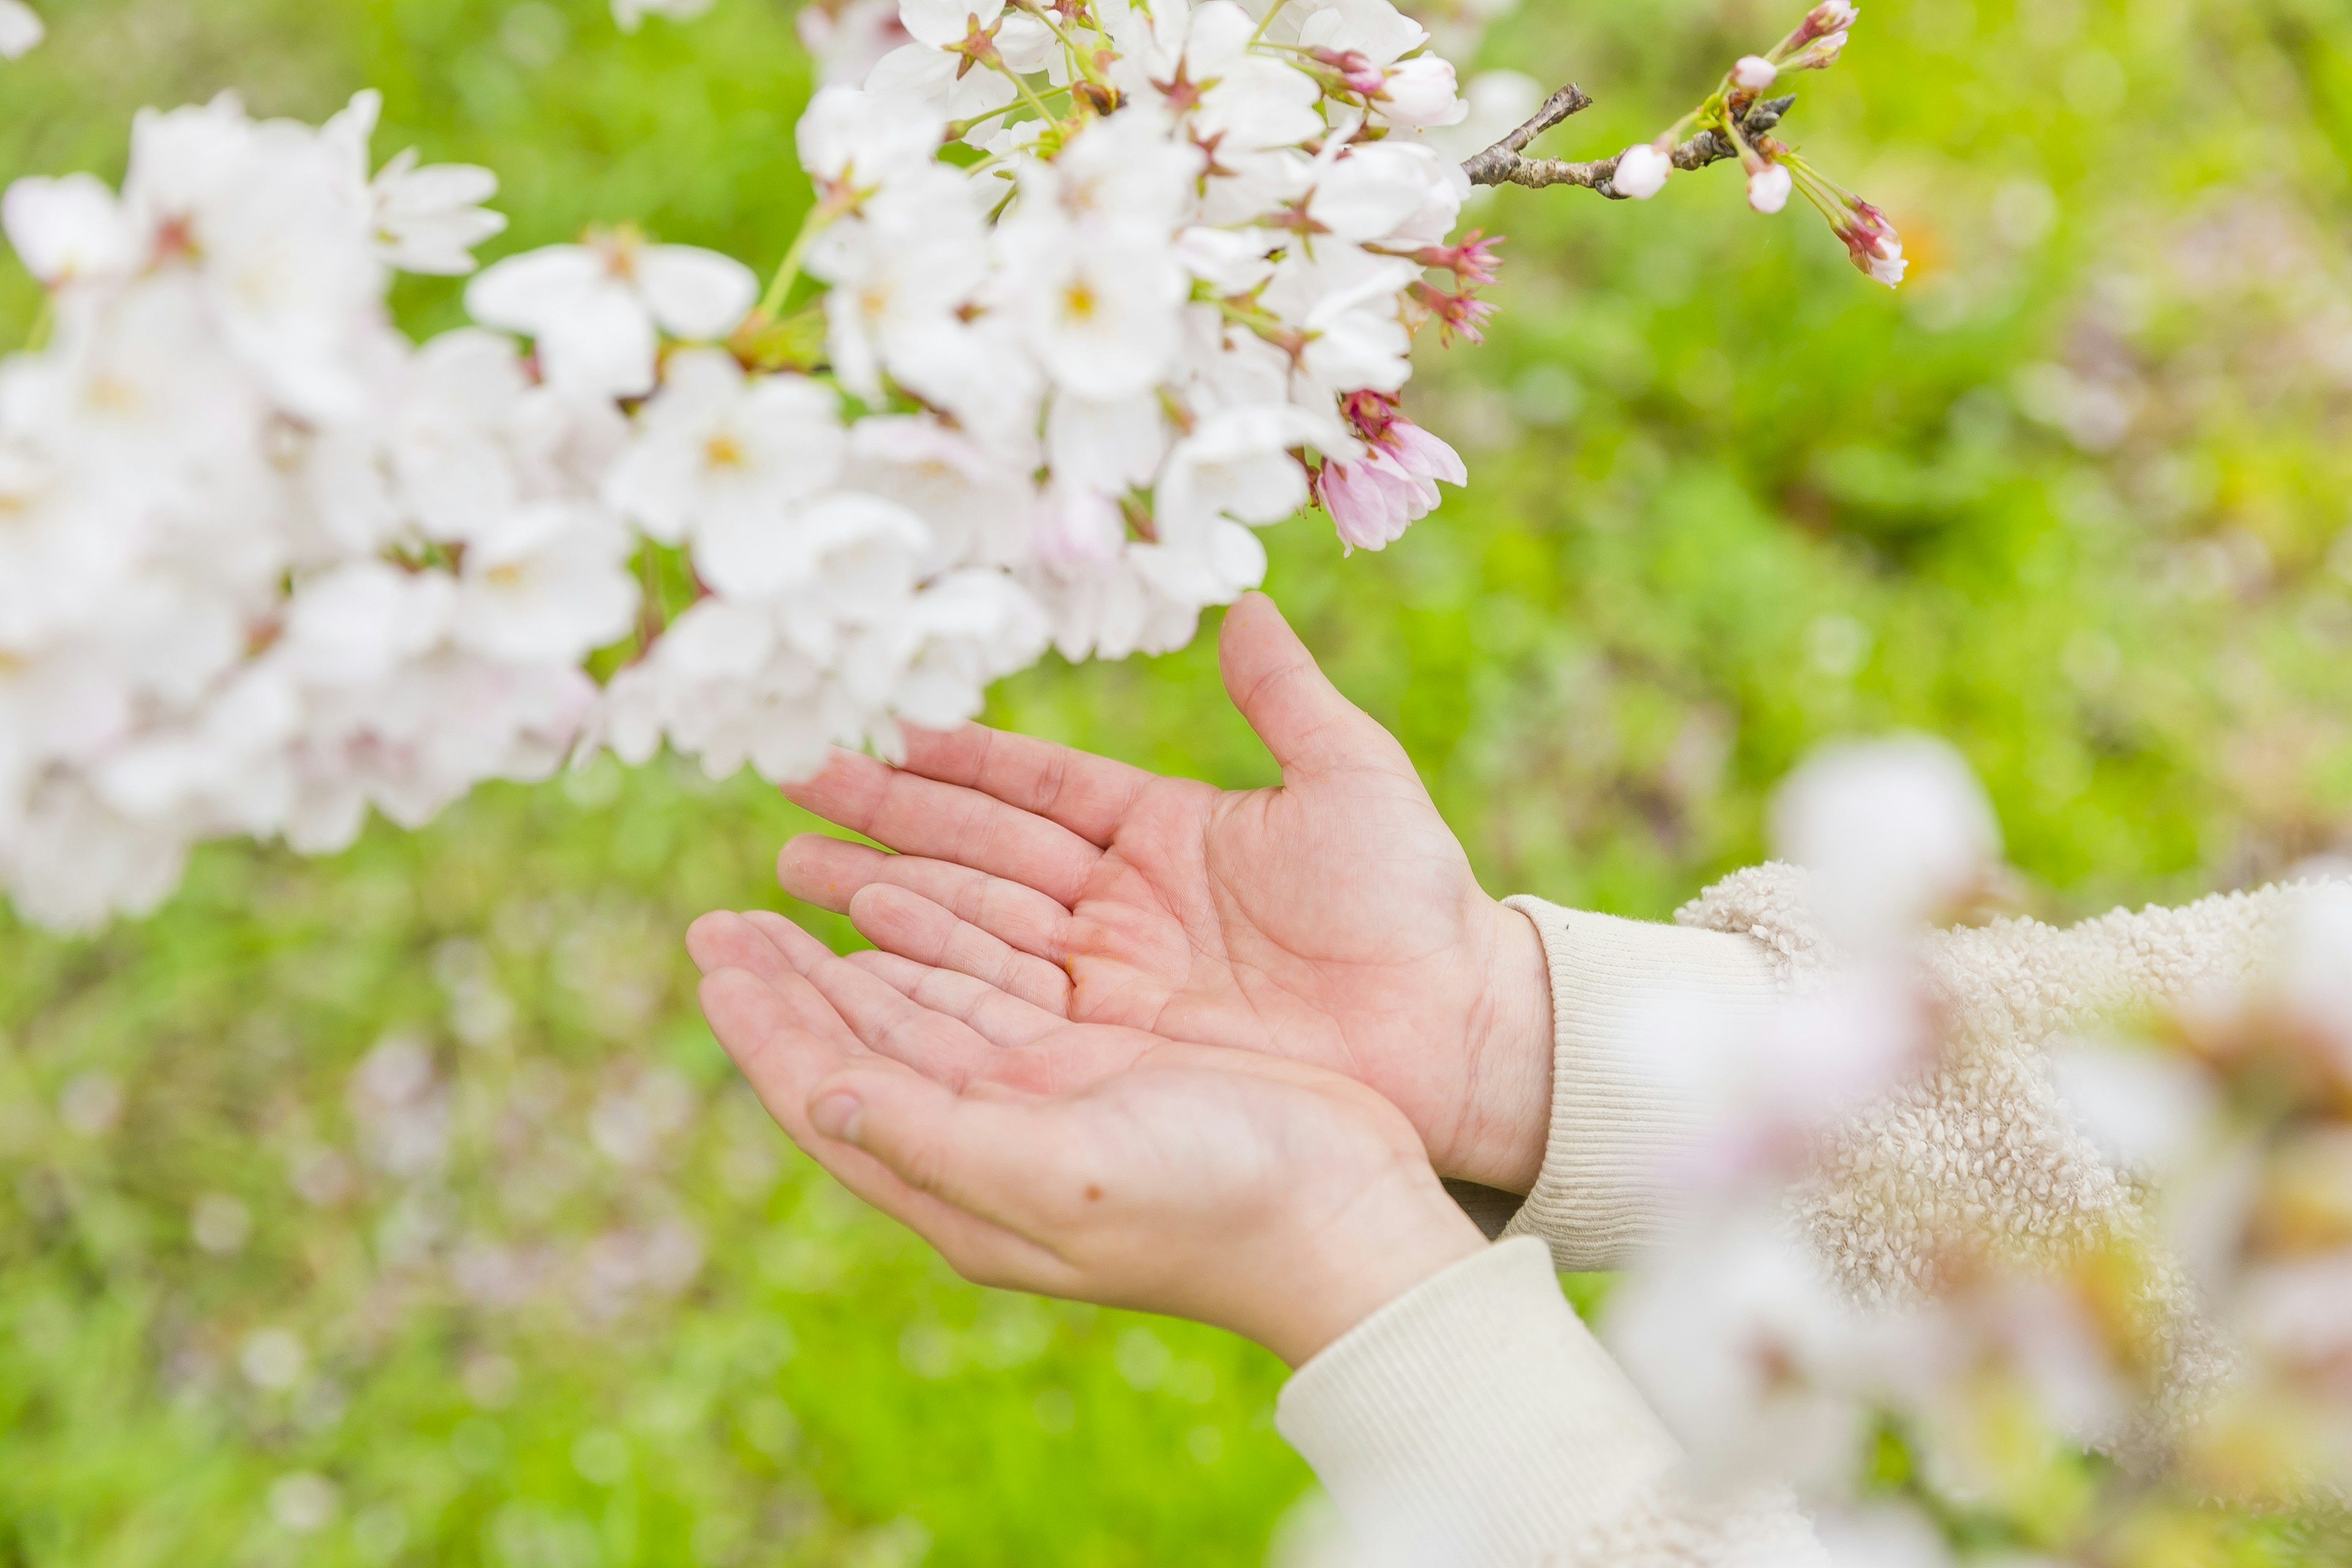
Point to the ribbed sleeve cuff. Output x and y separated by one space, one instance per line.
1620 1113
1474 1421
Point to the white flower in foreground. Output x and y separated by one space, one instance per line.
852 555
550 582
1750 1354
594 310
1884 1535
1642 171
426 219
980 508
631 14
429 219
1238 465
715 446
2147 1114
1372 28
20 30
66 229
1768 188
944 22
2315 969
1421 92
1099 310
850 135
1893 830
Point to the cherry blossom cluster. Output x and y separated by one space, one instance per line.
2203 1340
1088 293
1095 291
263 563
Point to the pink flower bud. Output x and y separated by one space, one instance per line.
1754 73
1829 16
1473 261
1641 171
1359 74
1823 54
1768 187
1871 240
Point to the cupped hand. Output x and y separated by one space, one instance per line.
1333 920
1087 1161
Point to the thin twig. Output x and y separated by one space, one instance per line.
1501 165
1492 166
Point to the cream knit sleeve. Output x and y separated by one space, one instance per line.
1983 1145
1474 1423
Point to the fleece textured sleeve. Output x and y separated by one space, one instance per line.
1474 1423
1984 1145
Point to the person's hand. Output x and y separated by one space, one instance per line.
1333 920
1089 1161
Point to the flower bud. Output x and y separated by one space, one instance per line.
1420 91
1356 72
1823 54
1754 73
1829 16
1641 171
1768 187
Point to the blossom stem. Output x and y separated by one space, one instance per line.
1266 21
1078 58
1028 94
819 218
959 129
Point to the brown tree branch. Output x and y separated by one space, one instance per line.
1502 164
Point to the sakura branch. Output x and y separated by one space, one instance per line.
1088 293
1736 120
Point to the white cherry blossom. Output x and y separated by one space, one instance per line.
66 229
940 22
717 446
596 312
1642 171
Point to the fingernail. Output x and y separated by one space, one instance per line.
836 1115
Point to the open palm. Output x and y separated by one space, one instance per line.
1333 920
1084 1160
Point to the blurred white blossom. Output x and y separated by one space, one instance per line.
20 30
1894 831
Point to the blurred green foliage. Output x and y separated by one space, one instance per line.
397 1208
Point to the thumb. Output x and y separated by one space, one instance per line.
1302 717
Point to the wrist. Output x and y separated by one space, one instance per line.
1507 1117
1392 1240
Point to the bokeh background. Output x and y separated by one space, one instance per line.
398 1208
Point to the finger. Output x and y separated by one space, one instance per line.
1005 1022
913 926
775 1033
1008 1163
982 1252
1086 794
1304 721
725 940
780 1034
881 1018
916 815
829 872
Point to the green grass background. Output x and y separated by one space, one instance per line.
2075 498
